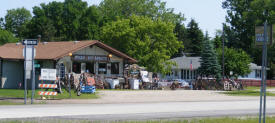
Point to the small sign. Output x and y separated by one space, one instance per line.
48 74
37 65
29 42
28 65
29 52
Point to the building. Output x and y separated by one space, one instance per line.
255 74
77 57
186 68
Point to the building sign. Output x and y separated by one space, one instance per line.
90 58
259 35
48 74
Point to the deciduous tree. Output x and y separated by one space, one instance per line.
16 20
151 42
235 60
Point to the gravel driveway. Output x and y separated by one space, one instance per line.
144 96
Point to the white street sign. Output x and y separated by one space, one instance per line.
28 74
48 74
28 65
29 52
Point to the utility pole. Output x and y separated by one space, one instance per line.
223 38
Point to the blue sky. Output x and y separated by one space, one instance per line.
208 13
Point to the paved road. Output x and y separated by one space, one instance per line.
136 111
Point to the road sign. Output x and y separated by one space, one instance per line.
29 42
259 35
48 74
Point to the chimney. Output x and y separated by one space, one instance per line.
76 42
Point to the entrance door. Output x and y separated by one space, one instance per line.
90 67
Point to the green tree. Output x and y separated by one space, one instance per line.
155 9
73 11
42 24
151 42
210 66
6 37
68 20
90 24
2 25
235 60
242 17
239 30
194 38
16 20
217 40
180 32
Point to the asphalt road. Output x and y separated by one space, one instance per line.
136 111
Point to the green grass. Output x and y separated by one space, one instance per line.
19 93
5 102
249 91
201 120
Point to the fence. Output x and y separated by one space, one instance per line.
257 83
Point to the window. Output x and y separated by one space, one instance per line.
102 68
258 73
76 67
39 65
115 68
181 74
176 73
90 67
184 74
187 74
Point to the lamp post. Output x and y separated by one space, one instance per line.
70 54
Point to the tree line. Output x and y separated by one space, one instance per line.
144 29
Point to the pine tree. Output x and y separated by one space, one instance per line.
194 38
210 66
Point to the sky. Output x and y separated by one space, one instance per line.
207 13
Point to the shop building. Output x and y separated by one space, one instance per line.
77 56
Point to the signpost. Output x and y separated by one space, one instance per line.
29 54
263 39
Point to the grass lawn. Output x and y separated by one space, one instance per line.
203 120
249 91
19 93
4 102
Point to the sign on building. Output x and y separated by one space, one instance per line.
48 74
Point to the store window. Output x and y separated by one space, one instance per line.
115 68
176 73
187 74
76 67
90 67
102 68
184 74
